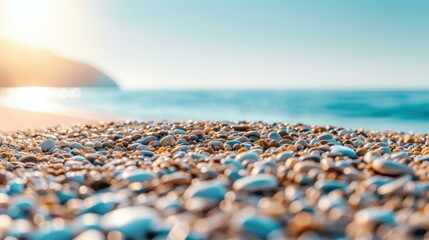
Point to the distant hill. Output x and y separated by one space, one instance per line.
24 66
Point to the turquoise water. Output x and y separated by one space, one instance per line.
375 110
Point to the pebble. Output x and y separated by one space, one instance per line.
90 234
47 145
168 141
345 151
371 156
212 180
283 156
325 136
375 215
274 136
138 176
394 186
76 145
147 153
258 182
329 186
132 222
212 190
28 158
147 140
421 158
249 156
260 226
389 167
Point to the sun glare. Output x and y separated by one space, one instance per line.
26 19
28 13
39 99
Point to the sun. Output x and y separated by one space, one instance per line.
26 20
28 13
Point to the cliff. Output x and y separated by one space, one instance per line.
23 66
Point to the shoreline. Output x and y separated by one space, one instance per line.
13 119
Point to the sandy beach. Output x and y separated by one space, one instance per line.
16 119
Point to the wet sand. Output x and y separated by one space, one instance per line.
16 119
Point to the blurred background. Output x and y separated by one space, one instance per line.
360 64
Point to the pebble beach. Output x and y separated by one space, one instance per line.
212 180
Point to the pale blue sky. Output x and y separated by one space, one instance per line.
242 43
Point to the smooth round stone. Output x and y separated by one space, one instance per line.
20 228
421 158
76 176
132 222
370 156
377 181
274 136
328 202
89 145
252 134
138 175
72 163
236 164
260 226
212 190
345 132
90 235
23 202
253 138
375 215
78 158
329 186
179 131
181 141
216 144
182 148
99 204
301 142
198 156
325 136
28 158
394 186
168 141
345 151
15 186
232 143
147 140
401 155
64 196
142 147
134 146
239 127
256 183
177 178
147 153
385 149
252 156
76 145
283 156
388 167
314 141
53 233
47 145
304 167
313 157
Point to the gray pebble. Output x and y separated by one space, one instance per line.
256 183
47 145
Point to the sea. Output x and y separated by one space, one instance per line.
405 111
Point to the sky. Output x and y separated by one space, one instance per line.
234 44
